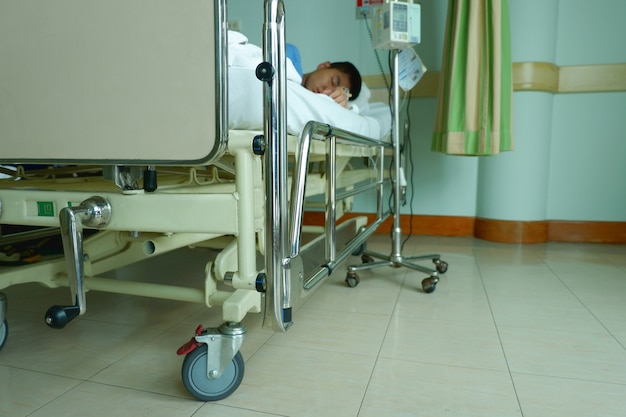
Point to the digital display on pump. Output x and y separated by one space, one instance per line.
400 18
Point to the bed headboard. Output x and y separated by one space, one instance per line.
128 82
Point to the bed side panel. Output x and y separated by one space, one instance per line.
116 81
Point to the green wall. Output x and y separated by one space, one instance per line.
570 148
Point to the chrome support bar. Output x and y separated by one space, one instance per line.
273 73
331 198
27 235
125 177
332 136
350 247
396 232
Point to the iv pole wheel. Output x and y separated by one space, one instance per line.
441 266
195 379
352 279
366 259
429 284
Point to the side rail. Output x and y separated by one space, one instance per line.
333 137
294 278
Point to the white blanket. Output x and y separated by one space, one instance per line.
245 99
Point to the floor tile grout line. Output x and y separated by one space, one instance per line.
586 307
382 343
56 398
447 365
566 378
495 324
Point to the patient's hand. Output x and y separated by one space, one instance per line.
339 94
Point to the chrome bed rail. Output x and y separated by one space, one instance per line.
332 137
285 275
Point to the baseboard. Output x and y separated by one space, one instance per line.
422 225
508 231
505 231
550 231
592 232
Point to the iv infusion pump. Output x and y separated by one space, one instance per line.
396 24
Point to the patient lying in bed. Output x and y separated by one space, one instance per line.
246 98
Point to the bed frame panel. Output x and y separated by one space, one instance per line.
112 82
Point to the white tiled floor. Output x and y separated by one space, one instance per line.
511 330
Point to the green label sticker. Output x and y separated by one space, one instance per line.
45 208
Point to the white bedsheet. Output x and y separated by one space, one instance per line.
245 99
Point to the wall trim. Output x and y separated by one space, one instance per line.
417 224
504 231
531 76
536 76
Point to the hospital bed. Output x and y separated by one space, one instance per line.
123 108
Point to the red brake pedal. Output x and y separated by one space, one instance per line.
192 344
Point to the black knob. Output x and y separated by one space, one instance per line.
58 316
261 282
265 72
149 180
258 145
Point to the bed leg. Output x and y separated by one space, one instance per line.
93 212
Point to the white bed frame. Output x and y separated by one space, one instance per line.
82 90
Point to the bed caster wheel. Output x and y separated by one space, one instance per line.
352 279
366 259
4 333
197 382
429 284
441 266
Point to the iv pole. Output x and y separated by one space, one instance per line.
395 258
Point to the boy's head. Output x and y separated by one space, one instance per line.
331 75
353 74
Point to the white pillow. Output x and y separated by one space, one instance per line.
235 37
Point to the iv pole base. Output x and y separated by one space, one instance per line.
395 259
428 284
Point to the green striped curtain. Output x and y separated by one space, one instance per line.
474 110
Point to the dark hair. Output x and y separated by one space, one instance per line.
355 77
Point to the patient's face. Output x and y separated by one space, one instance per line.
324 80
